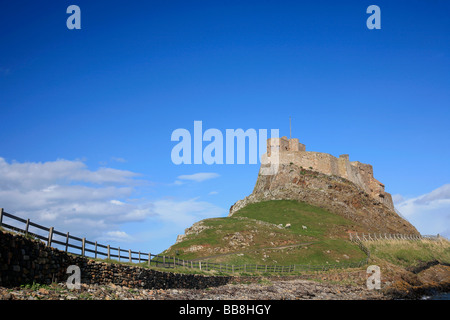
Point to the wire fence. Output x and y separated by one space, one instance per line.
354 236
85 248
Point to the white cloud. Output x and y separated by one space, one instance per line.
397 198
33 175
430 212
185 213
118 236
117 202
213 193
93 203
67 195
199 177
118 159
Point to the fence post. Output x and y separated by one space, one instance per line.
164 261
149 259
200 265
129 255
50 236
27 226
1 216
67 241
83 244
139 257
109 252
95 249
118 253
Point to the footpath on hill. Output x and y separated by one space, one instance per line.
265 248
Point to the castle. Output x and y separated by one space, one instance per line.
291 151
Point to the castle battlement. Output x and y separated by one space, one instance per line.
291 151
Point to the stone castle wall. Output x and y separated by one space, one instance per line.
291 151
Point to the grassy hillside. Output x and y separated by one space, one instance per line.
253 236
410 253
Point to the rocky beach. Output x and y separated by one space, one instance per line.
343 285
270 290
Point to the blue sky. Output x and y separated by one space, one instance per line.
87 115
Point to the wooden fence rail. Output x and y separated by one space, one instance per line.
107 252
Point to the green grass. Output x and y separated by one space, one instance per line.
324 239
317 220
410 253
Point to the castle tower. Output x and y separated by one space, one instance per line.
284 144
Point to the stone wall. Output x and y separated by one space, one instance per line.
24 261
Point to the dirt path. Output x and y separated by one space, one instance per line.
242 252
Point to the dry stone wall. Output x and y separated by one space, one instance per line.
24 261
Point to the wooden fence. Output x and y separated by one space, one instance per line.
93 249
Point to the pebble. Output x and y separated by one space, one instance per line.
296 289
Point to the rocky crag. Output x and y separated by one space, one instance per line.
336 184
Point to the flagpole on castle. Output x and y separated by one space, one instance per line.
290 128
